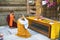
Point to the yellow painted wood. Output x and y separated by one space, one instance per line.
55 27
54 31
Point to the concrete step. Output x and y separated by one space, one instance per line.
8 8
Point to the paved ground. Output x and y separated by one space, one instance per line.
9 34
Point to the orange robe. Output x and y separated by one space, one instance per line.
10 21
22 32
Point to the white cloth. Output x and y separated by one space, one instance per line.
44 2
24 22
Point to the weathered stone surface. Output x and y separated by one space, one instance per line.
3 16
12 1
7 5
16 8
19 6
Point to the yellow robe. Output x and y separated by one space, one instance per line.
22 32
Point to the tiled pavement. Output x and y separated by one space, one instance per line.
9 34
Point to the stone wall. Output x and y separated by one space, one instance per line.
6 5
15 8
12 1
19 6
3 16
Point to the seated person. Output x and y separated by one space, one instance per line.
22 25
11 20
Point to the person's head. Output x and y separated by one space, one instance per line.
21 16
12 12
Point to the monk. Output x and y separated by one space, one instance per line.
22 26
11 20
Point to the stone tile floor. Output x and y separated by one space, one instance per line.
9 34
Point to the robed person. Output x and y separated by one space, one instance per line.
11 20
22 26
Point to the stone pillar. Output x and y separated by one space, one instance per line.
38 8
